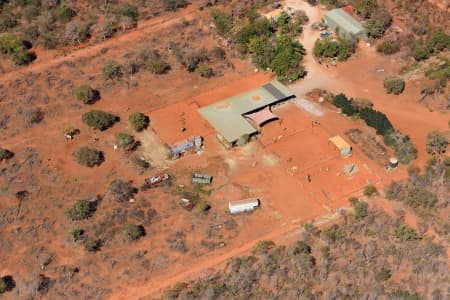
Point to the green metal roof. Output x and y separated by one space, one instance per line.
226 116
345 21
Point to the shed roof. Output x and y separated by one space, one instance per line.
339 142
345 21
274 14
226 116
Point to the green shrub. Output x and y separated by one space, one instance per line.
121 190
204 70
92 245
361 209
437 143
86 94
98 119
66 13
5 154
377 120
394 85
88 157
14 48
124 139
332 49
133 232
76 234
219 53
263 247
111 71
82 209
3 285
370 191
158 66
138 121
222 21
439 41
405 233
172 5
421 53
388 47
383 275
421 197
128 10
301 247
346 105
203 206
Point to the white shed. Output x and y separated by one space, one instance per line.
243 205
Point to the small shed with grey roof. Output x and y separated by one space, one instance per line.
344 24
228 116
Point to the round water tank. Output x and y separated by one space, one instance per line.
393 162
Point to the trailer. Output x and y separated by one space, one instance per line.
243 205
201 178
193 144
154 181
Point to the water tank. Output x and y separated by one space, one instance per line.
393 162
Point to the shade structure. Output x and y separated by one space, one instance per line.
262 116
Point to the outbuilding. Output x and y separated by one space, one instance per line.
244 205
342 145
344 24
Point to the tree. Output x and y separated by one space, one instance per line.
138 121
158 66
222 21
439 41
76 32
383 275
14 48
82 209
370 190
204 70
128 10
388 47
88 157
203 206
436 143
76 234
421 197
121 190
287 61
133 232
66 13
366 7
405 233
394 85
5 154
111 70
3 286
98 119
173 5
124 139
86 94
421 53
361 209
92 245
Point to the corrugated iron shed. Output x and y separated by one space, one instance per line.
226 116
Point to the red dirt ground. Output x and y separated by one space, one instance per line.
262 168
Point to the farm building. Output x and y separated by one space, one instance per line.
344 24
342 145
244 205
237 118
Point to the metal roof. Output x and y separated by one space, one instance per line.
344 20
226 116
339 142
